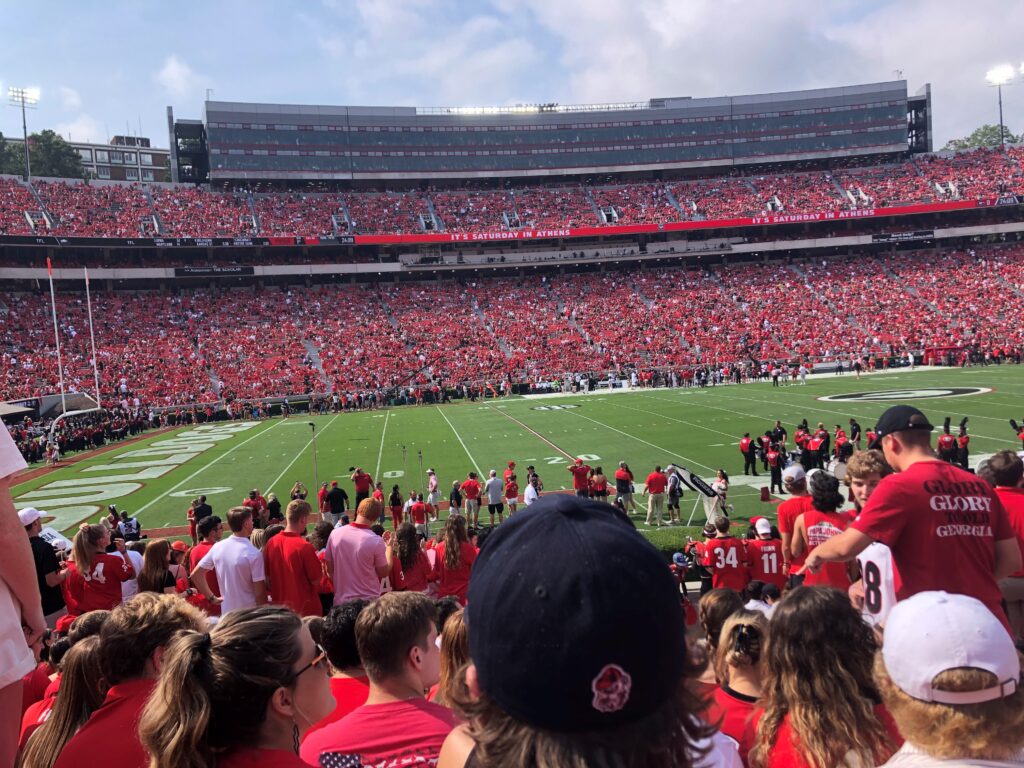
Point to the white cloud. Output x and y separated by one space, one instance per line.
83 128
69 98
178 78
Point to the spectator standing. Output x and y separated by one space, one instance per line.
624 487
238 697
725 556
133 640
349 684
363 483
765 556
410 568
96 577
258 505
210 531
336 503
821 706
155 575
454 558
1007 471
819 524
918 513
455 499
397 640
454 655
395 503
875 593
495 490
293 571
50 571
531 494
239 565
654 488
580 478
22 623
357 558
471 490
433 494
794 479
511 493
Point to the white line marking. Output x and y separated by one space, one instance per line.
166 493
301 451
381 451
479 471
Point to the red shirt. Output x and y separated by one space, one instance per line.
745 444
112 730
785 753
349 694
418 513
820 527
472 489
1013 503
294 573
194 556
34 686
362 482
395 733
414 579
253 757
511 491
734 714
101 588
773 458
788 512
942 524
34 717
455 582
727 560
580 477
508 473
765 559
946 442
656 482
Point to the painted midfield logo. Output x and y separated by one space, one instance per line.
905 394
553 407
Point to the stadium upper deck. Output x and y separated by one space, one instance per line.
250 141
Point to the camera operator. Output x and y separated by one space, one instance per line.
50 569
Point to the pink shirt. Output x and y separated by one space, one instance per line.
354 552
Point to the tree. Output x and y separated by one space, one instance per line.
52 156
10 157
987 136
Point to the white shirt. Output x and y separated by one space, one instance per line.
530 495
238 564
131 587
495 490
877 575
910 756
16 659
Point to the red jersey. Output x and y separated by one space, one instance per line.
507 474
101 587
599 486
946 442
963 441
656 482
511 491
194 556
815 443
727 560
472 489
1013 503
745 444
948 540
788 512
378 494
580 477
34 685
454 582
370 734
33 718
349 694
414 579
765 442
418 513
820 527
293 571
765 559
112 730
800 437
773 459
735 716
870 435
785 750
362 482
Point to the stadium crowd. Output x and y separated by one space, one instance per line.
294 635
111 210
169 348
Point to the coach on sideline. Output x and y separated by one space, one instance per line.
946 527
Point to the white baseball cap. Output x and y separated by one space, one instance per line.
932 632
763 526
794 473
29 515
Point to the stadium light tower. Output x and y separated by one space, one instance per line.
26 98
998 77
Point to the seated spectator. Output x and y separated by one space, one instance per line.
133 640
241 695
950 675
397 640
349 684
738 663
454 653
821 707
607 688
82 691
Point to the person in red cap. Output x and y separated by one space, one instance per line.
511 470
580 478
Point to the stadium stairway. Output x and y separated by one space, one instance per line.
683 215
252 210
999 278
156 216
487 326
909 288
594 207
314 356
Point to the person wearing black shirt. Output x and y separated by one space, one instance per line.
202 510
779 434
50 572
337 503
855 434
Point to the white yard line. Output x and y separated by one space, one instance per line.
301 451
203 468
479 471
380 453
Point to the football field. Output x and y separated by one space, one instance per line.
156 478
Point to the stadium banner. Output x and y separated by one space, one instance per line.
211 270
555 233
903 237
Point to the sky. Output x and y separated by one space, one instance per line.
106 68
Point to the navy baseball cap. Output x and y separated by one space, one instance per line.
575 622
899 418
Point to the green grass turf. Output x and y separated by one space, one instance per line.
699 428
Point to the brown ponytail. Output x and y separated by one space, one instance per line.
83 548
